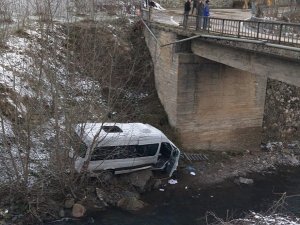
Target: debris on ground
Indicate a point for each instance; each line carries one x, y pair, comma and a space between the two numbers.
172, 181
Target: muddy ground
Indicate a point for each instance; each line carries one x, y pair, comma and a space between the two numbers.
226, 166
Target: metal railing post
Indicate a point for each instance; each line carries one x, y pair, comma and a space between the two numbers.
239, 28
208, 23
257, 34
223, 24
280, 33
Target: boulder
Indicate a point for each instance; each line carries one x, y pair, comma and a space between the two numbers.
78, 210
140, 179
243, 180
69, 203
61, 213
157, 184
131, 204
292, 160
101, 196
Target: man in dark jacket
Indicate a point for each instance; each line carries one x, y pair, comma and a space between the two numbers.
187, 9
200, 11
195, 6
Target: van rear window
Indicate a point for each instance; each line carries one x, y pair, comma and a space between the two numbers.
123, 152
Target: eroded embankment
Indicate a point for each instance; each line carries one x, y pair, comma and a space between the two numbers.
57, 75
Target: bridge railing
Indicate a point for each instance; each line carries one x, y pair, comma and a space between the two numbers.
275, 32
288, 33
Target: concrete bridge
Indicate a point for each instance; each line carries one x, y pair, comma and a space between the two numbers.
213, 87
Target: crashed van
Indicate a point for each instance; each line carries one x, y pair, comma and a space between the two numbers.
122, 148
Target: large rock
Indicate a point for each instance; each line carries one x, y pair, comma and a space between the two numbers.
101, 196
243, 180
292, 160
140, 179
78, 210
69, 203
131, 204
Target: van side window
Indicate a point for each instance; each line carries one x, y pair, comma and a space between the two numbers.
146, 150
113, 152
123, 152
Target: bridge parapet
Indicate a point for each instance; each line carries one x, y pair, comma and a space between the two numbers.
261, 47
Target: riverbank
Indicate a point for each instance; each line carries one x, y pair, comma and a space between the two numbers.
223, 166
190, 202
221, 171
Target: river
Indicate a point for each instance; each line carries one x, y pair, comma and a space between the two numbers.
189, 207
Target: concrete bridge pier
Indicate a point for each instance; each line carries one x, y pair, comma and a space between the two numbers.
212, 106
218, 107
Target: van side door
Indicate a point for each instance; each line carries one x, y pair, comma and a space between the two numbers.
173, 161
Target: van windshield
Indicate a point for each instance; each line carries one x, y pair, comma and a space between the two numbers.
166, 149
123, 152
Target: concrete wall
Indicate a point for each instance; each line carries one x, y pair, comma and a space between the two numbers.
165, 70
218, 107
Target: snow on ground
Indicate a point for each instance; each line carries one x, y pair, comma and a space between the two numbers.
274, 219
158, 7
8, 130
30, 64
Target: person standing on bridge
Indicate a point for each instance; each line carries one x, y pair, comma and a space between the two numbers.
187, 9
206, 14
195, 6
200, 10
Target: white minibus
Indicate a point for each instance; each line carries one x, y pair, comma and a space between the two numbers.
122, 148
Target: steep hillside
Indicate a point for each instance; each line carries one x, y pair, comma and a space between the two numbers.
56, 75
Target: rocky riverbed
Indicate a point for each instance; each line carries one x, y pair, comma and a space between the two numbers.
126, 191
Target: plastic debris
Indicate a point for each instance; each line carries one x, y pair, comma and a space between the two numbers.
161, 189
193, 173
172, 181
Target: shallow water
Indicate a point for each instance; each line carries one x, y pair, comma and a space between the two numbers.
189, 207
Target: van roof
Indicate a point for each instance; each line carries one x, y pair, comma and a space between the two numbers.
112, 134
